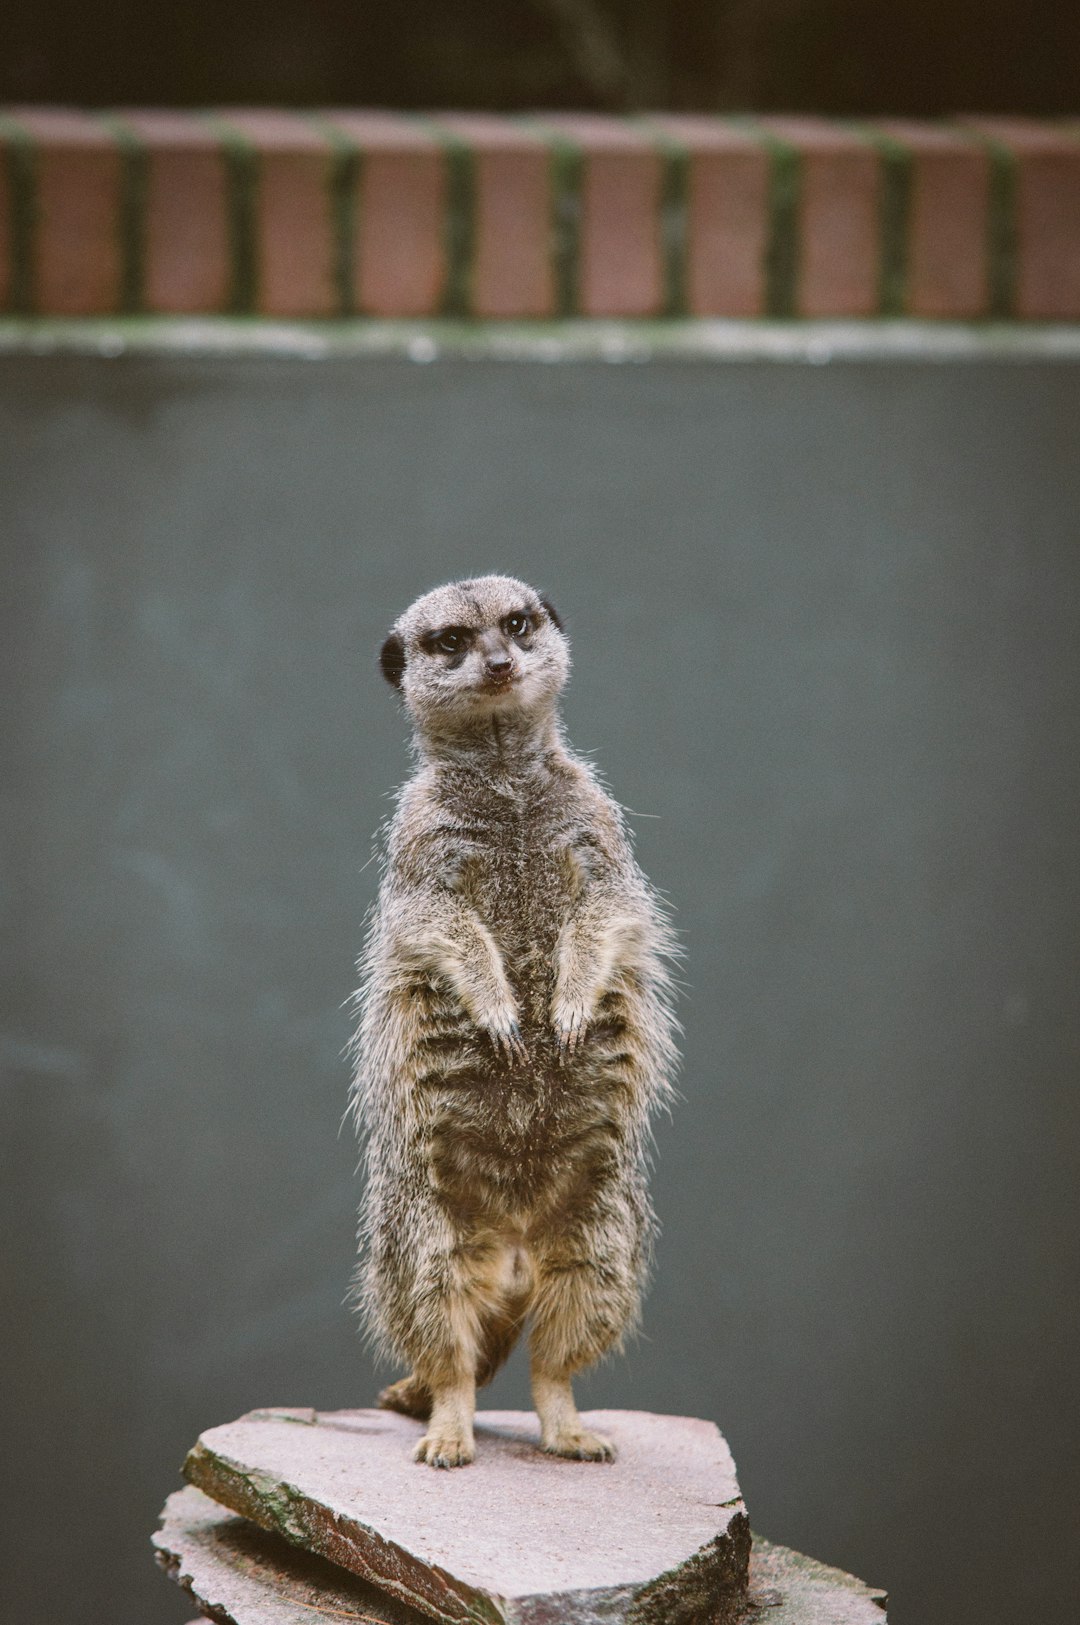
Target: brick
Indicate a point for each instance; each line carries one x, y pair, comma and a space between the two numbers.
727, 214
399, 263
295, 244
948, 225
77, 253
839, 245
1047, 205
631, 229
512, 274
185, 241
621, 266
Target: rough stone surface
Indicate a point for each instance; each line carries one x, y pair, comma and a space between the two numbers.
660, 1535
240, 1575
787, 1588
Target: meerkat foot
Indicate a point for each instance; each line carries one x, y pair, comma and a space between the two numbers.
446, 1447
561, 1429
448, 1441
409, 1397
579, 1444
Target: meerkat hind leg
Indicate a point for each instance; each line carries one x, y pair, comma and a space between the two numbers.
449, 1441
409, 1397
447, 1371
561, 1430
481, 1316
578, 1313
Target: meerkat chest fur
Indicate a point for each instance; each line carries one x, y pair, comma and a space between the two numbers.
509, 835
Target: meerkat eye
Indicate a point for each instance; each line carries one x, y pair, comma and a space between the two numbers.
451, 640
518, 626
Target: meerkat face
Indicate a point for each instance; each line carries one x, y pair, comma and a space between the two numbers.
475, 648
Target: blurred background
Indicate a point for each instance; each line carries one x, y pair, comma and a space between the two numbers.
824, 624
923, 57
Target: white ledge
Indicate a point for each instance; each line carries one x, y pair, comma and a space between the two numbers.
812, 342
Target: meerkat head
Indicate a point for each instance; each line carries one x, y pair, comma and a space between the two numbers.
476, 648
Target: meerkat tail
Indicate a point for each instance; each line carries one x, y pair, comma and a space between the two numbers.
497, 1339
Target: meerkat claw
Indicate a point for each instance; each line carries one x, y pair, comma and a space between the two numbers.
510, 1040
444, 1450
580, 1444
570, 1032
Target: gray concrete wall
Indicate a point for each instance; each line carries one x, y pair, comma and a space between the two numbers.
826, 649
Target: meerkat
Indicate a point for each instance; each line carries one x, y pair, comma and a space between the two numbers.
515, 1033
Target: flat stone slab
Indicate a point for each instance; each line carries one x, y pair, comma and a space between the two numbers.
241, 1575
787, 1588
657, 1537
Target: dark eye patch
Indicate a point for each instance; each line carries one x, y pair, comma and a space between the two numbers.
448, 640
518, 625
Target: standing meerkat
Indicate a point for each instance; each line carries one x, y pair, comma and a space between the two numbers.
515, 1033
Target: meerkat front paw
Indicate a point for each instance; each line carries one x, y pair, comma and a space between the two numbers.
502, 1024
446, 1447
570, 1018
579, 1444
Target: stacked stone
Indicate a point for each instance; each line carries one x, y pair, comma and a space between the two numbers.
344, 214
294, 1515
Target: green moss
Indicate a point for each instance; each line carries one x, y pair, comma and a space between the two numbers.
1002, 245
459, 225
22, 195
133, 176
343, 182
242, 202
782, 245
674, 220
894, 220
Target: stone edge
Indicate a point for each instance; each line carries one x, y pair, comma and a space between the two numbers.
720, 1567
280, 1508
772, 1567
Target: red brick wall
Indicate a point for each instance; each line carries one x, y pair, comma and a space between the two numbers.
383, 214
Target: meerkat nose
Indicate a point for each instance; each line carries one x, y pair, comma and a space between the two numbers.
499, 665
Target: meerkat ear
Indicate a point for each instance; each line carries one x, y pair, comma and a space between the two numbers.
552, 613
392, 659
